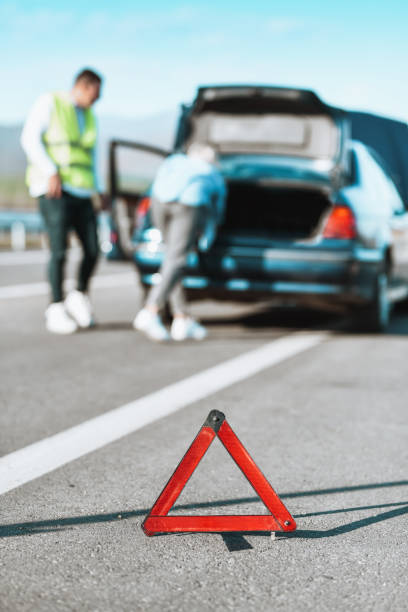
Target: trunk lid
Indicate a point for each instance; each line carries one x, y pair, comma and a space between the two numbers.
291, 125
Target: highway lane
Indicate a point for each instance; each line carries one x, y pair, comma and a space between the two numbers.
54, 382
29, 267
327, 426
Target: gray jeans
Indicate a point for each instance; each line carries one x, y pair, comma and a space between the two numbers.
180, 226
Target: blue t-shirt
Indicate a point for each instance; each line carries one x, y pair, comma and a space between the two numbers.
191, 181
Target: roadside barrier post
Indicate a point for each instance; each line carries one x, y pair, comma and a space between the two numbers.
18, 236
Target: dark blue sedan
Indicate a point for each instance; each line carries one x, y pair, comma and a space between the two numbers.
312, 216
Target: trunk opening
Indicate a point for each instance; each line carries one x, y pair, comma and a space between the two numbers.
273, 212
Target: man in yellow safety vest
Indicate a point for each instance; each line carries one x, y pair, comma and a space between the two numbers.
59, 138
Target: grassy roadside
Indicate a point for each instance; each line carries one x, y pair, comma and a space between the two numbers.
14, 194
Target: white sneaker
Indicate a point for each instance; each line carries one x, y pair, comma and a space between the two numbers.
58, 321
77, 305
151, 325
184, 328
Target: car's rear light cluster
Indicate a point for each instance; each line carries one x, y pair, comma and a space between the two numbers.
141, 210
340, 224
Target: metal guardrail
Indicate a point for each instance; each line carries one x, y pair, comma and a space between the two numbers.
32, 221
15, 225
17, 228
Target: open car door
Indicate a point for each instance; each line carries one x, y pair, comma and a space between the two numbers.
132, 168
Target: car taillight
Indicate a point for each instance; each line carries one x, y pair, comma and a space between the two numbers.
114, 237
340, 224
143, 207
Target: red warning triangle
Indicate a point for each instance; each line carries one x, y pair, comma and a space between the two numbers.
158, 521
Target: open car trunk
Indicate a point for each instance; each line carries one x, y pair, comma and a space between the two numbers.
260, 211
273, 121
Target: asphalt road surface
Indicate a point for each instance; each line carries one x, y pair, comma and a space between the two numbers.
93, 425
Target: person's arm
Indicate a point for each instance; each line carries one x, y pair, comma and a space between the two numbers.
99, 183
215, 214
31, 140
100, 198
220, 199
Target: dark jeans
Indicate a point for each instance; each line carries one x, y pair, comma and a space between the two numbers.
60, 216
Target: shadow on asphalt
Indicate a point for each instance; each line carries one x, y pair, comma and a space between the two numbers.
112, 326
234, 541
296, 319
289, 318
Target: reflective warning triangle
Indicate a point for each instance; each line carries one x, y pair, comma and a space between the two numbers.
158, 521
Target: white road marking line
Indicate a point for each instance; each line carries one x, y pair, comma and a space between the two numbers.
102, 281
35, 460
24, 258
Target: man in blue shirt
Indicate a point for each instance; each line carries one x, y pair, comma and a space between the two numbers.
188, 199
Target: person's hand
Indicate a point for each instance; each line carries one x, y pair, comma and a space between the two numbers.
101, 201
207, 238
54, 186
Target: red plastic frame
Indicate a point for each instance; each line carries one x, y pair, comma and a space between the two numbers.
158, 520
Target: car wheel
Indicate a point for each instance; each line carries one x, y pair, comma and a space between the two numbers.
376, 316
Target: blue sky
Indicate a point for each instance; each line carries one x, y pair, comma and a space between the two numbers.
154, 55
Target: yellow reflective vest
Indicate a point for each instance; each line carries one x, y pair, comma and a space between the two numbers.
70, 150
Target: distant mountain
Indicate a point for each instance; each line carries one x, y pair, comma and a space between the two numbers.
155, 129
12, 159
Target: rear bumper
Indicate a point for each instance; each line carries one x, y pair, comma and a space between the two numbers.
305, 274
